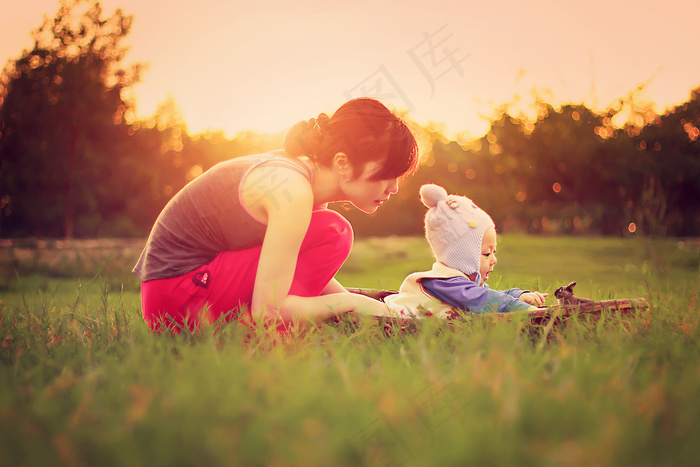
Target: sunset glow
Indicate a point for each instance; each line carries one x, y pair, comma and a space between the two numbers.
265, 65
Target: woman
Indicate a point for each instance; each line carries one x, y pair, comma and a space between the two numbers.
252, 237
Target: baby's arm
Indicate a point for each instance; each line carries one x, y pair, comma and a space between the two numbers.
533, 298
462, 293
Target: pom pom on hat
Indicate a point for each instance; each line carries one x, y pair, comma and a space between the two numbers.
454, 227
431, 195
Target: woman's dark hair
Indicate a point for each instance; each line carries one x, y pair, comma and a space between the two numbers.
365, 130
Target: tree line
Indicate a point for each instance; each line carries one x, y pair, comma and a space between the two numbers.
75, 162
570, 171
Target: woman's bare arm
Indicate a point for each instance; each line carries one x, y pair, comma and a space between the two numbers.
284, 200
303, 310
334, 287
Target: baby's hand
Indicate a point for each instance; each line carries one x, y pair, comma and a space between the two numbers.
533, 298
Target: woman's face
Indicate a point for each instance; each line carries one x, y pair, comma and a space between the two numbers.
367, 194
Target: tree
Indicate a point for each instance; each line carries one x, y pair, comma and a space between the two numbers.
61, 124
668, 154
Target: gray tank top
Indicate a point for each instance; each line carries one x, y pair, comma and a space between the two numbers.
206, 218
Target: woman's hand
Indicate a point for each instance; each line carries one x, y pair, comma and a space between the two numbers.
369, 307
309, 310
533, 298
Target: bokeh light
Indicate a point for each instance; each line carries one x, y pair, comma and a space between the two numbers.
194, 172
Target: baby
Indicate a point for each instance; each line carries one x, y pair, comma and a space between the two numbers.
463, 239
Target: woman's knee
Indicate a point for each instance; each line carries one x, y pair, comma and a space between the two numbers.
329, 227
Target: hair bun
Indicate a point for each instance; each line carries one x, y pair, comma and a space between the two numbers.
431, 195
305, 138
323, 121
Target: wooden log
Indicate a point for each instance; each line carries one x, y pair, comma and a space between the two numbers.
623, 307
377, 294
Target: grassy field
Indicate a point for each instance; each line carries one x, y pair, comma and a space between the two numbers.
83, 382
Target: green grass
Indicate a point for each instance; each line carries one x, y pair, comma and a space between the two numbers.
83, 382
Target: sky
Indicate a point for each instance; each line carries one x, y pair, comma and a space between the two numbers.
263, 65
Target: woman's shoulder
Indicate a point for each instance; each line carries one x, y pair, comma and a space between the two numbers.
248, 160
276, 167
276, 183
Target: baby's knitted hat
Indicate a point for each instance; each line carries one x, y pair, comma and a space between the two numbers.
454, 227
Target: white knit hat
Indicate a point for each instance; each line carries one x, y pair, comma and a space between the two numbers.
454, 227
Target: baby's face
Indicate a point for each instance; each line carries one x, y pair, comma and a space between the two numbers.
488, 254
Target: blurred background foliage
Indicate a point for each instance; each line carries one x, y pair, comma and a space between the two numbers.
76, 163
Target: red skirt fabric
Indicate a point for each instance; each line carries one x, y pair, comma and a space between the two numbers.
223, 289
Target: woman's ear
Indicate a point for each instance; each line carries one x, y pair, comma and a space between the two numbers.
342, 165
